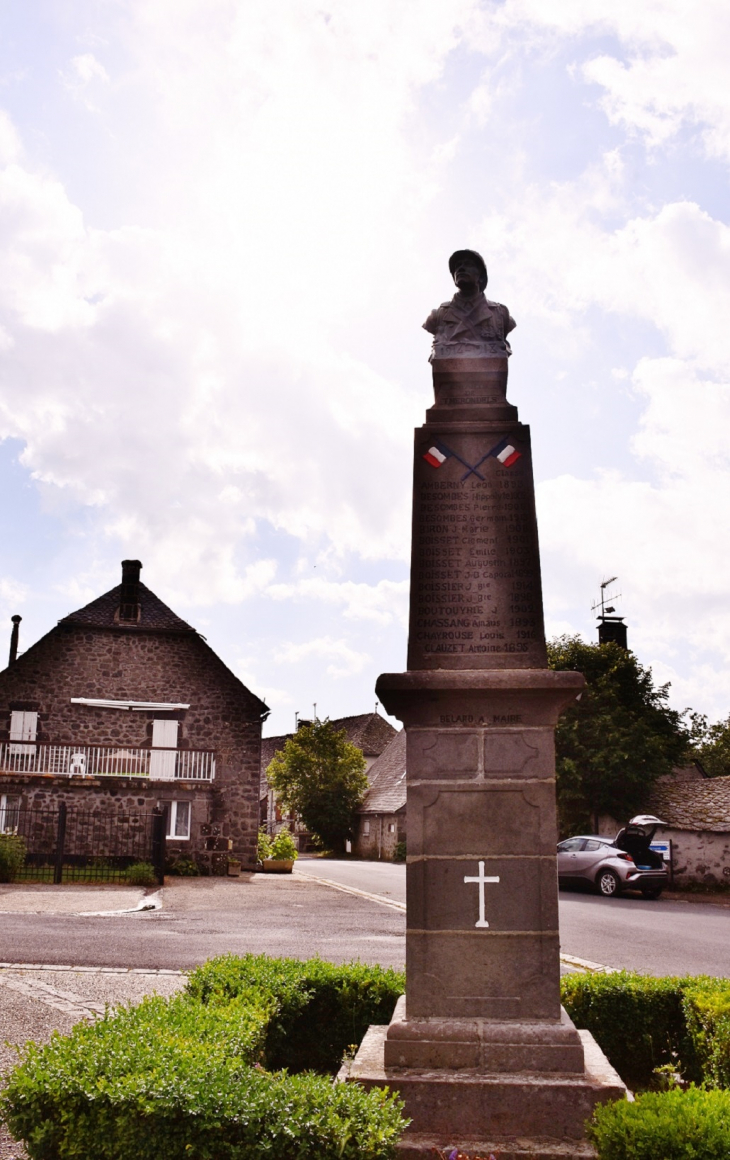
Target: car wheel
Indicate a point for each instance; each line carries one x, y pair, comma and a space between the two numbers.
648, 893
607, 883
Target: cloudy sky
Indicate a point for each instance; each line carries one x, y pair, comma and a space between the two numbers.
222, 223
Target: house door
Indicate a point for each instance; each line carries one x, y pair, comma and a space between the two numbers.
164, 738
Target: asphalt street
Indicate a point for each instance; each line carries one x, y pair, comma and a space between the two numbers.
665, 937
300, 915
202, 917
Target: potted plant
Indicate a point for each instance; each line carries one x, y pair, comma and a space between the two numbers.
278, 854
234, 867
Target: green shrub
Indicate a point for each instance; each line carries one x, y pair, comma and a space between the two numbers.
638, 1021
321, 1008
283, 847
13, 851
264, 846
183, 1078
673, 1125
706, 1004
141, 874
183, 868
399, 854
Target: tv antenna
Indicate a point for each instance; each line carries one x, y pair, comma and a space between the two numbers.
603, 603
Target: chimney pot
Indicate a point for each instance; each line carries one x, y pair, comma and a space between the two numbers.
14, 638
129, 597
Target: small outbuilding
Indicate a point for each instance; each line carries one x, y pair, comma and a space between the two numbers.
382, 815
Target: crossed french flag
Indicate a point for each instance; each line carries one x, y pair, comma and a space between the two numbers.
504, 451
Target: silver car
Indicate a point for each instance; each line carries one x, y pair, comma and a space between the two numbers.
613, 865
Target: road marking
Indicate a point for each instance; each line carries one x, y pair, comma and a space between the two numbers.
391, 902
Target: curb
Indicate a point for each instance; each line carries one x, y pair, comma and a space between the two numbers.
391, 902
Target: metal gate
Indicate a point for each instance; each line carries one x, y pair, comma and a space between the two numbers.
64, 845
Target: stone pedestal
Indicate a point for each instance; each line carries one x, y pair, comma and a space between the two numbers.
480, 1048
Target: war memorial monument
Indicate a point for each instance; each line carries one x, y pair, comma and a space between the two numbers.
479, 1047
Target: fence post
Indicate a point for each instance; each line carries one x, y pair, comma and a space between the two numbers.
60, 841
159, 842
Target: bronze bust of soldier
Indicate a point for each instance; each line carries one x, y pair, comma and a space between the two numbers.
469, 326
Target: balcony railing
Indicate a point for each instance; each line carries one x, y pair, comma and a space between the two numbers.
107, 761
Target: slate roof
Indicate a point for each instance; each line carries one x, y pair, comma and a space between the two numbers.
154, 615
692, 805
368, 731
387, 775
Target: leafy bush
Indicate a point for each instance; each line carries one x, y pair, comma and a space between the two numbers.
180, 1078
706, 1004
637, 1020
13, 851
399, 854
183, 868
264, 846
673, 1125
283, 847
141, 874
320, 1008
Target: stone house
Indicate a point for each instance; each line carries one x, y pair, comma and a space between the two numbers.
697, 812
370, 732
696, 809
382, 815
124, 706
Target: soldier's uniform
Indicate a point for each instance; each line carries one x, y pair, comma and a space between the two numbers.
470, 328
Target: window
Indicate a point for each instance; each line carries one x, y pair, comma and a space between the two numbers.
366, 829
23, 727
9, 812
571, 845
391, 827
178, 819
591, 845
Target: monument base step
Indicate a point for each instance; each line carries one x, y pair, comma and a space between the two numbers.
448, 1107
420, 1147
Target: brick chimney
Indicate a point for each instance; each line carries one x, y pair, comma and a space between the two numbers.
612, 630
129, 599
14, 638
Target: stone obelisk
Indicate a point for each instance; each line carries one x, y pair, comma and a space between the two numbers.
479, 1047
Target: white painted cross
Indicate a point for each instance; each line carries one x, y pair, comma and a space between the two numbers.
481, 880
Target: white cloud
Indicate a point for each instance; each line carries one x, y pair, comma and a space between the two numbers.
385, 602
346, 661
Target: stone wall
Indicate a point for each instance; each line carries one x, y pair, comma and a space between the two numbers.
133, 664
381, 840
699, 856
116, 796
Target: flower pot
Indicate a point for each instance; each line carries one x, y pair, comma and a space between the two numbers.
234, 869
278, 865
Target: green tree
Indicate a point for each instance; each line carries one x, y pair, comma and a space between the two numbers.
320, 775
712, 745
614, 742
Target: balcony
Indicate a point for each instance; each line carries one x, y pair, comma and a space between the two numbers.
107, 761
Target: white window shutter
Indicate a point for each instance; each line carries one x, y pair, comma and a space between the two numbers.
23, 725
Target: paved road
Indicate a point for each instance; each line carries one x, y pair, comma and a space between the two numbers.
300, 916
665, 937
382, 878
210, 916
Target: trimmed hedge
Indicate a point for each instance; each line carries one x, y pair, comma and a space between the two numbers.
188, 1079
643, 1023
674, 1125
638, 1021
321, 1009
